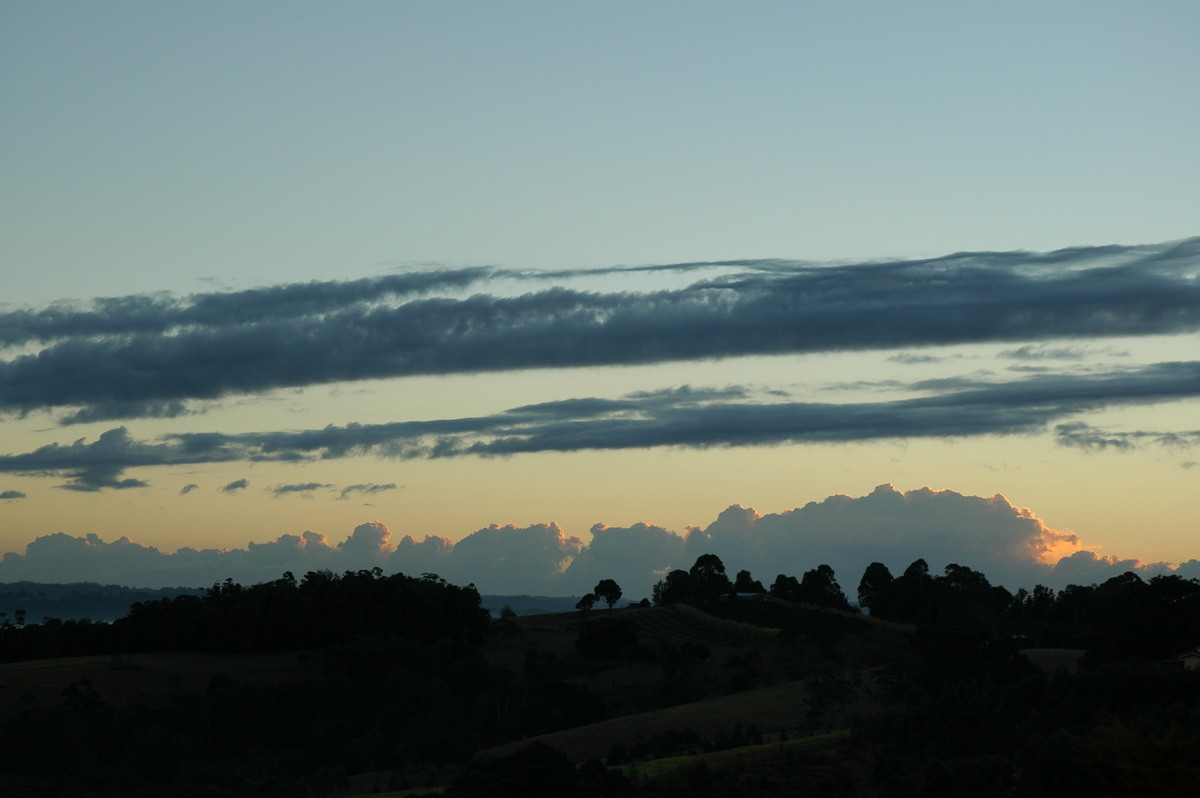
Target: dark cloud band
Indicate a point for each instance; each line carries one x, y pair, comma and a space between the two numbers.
147, 356
680, 417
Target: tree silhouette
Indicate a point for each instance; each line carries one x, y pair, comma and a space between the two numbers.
819, 587
609, 591
785, 587
745, 583
676, 587
911, 596
708, 577
874, 589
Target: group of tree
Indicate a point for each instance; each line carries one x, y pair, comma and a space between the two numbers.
1125, 617
286, 614
706, 581
606, 590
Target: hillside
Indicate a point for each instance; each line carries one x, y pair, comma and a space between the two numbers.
362, 683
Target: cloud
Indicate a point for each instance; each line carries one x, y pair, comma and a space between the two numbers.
92, 467
369, 543
104, 410
188, 488
635, 556
161, 313
1009, 544
8, 495
513, 560
1088, 567
908, 358
136, 356
235, 486
687, 417
1085, 436
429, 555
366, 489
63, 558
1039, 352
304, 489
98, 477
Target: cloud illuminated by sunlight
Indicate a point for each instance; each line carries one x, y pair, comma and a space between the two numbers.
1011, 545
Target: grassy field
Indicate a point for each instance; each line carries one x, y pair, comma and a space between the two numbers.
713, 660
679, 624
734, 757
769, 708
1050, 659
121, 679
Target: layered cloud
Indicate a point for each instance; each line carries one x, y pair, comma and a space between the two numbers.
688, 417
1011, 545
366, 489
147, 356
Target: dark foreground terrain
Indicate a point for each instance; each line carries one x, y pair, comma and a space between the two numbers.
362, 683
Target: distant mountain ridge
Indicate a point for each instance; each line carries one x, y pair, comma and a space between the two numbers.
79, 600
528, 605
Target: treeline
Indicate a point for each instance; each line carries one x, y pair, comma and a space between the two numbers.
706, 581
1125, 617
320, 610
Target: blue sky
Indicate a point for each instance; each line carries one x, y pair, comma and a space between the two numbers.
184, 156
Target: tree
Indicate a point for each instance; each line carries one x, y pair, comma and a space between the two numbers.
608, 590
744, 583
819, 587
708, 577
874, 589
676, 587
911, 597
968, 601
584, 604
785, 587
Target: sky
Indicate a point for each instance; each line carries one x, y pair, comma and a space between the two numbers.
532, 294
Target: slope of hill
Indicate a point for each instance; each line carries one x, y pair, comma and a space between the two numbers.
364, 683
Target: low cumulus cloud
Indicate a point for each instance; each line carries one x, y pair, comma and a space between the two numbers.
149, 356
686, 417
188, 488
1009, 544
9, 495
235, 486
